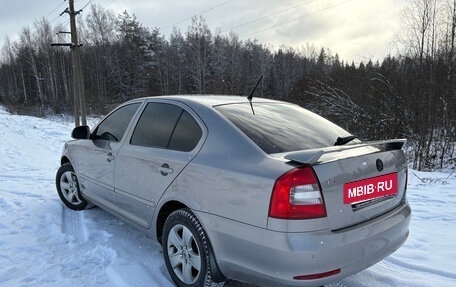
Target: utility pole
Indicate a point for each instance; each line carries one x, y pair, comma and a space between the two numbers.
78, 80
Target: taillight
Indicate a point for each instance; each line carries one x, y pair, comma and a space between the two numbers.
297, 195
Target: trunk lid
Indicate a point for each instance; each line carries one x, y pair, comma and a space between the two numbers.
359, 182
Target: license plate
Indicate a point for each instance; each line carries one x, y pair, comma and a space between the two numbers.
370, 188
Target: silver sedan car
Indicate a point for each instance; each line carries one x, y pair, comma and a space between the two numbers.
262, 191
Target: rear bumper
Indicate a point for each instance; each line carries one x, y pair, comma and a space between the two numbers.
268, 258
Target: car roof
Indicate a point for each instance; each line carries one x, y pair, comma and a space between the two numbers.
210, 100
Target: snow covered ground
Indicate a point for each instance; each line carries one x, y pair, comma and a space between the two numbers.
44, 244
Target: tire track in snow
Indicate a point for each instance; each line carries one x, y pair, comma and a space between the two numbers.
73, 224
396, 263
336, 284
92, 257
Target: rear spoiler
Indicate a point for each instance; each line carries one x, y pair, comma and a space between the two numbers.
312, 156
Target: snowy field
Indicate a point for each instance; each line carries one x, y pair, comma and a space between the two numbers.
44, 244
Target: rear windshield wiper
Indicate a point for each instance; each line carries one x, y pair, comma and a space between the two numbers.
344, 140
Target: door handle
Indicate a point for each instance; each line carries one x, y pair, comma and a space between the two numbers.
110, 157
165, 169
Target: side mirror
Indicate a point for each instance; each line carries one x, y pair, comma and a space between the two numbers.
81, 133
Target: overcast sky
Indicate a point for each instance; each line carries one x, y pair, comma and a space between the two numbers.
355, 29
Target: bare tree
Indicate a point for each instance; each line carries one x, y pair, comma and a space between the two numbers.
29, 47
101, 26
199, 53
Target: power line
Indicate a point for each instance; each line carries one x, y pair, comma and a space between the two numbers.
267, 16
88, 3
54, 19
53, 10
200, 13
66, 23
80, 10
295, 19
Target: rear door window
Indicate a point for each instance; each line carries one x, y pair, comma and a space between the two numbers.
278, 127
163, 125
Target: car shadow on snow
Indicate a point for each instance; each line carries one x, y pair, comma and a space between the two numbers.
232, 283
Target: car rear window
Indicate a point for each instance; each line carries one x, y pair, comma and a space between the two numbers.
282, 127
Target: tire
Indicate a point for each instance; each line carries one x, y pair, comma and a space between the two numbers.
185, 250
68, 188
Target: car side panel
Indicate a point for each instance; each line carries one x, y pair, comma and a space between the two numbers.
140, 182
95, 172
143, 174
230, 177
228, 193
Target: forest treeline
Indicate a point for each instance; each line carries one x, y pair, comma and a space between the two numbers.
410, 95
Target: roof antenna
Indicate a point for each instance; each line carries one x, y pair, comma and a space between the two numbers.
250, 97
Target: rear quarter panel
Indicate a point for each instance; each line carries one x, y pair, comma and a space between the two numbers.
230, 177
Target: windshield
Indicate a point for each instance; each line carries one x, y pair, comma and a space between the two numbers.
282, 127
